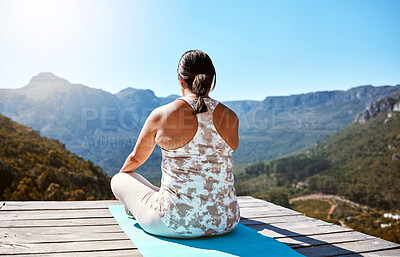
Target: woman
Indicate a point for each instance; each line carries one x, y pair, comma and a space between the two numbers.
197, 136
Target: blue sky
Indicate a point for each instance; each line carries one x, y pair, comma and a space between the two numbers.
259, 48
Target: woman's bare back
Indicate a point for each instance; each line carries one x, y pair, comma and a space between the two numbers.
176, 125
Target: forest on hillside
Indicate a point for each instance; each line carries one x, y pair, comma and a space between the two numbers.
38, 168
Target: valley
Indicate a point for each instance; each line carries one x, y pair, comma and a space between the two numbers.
350, 178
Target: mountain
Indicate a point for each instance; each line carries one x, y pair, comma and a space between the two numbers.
38, 168
142, 98
360, 162
103, 127
93, 123
280, 125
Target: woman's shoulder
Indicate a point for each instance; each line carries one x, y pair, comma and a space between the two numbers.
223, 110
166, 110
227, 124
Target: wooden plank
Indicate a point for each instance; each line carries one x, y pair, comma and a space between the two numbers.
247, 204
347, 248
113, 253
35, 248
55, 214
111, 221
266, 209
256, 215
263, 209
54, 205
15, 237
313, 240
248, 199
257, 204
278, 231
384, 253
57, 205
253, 213
244, 197
58, 223
67, 229
312, 225
273, 220
254, 202
99, 213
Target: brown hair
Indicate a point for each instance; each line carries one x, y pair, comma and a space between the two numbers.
197, 70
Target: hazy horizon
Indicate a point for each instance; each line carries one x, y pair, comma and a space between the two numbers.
211, 94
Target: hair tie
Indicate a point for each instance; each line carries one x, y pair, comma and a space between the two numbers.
200, 96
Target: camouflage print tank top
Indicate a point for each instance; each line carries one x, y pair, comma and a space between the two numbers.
197, 197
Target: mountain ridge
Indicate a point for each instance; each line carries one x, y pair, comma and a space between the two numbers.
103, 127
361, 162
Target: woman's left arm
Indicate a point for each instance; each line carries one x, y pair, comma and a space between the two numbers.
145, 143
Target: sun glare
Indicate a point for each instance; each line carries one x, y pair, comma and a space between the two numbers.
37, 21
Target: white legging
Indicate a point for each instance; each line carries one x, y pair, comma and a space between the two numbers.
137, 194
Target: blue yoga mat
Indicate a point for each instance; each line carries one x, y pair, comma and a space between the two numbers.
243, 241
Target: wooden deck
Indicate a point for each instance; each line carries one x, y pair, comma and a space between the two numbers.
86, 228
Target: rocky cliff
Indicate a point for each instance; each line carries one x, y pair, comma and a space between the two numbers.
386, 104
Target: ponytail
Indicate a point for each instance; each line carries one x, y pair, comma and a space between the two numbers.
199, 88
197, 70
